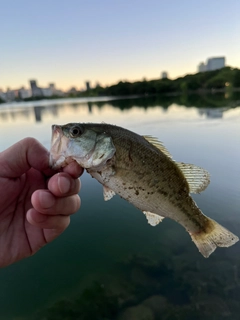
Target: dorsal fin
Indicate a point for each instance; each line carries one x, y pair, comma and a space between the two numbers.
198, 178
158, 144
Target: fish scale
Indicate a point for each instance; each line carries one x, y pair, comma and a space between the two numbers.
174, 188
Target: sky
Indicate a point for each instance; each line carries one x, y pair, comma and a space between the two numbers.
69, 42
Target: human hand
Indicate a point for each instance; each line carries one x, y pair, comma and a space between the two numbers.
35, 201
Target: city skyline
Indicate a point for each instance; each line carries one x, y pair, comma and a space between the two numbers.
211, 64
105, 42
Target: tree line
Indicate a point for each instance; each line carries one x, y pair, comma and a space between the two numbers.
225, 78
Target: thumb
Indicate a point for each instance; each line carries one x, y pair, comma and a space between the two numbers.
23, 155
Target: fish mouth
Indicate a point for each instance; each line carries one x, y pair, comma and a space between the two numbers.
91, 151
61, 151
58, 146
57, 134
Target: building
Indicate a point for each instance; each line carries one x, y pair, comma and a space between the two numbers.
212, 64
2, 95
24, 93
36, 91
59, 93
164, 75
88, 87
201, 67
47, 92
55, 91
11, 95
52, 86
72, 91
215, 63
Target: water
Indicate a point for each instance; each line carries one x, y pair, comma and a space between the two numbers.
110, 264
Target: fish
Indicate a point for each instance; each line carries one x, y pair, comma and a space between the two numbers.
142, 171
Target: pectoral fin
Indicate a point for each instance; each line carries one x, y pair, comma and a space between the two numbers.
153, 218
108, 193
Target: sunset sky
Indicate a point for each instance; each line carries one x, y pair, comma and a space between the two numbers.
69, 42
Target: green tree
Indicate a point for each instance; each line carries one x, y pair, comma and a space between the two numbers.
1, 100
236, 78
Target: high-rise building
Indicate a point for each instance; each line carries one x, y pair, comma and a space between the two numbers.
201, 67
212, 64
36, 91
164, 75
215, 63
88, 85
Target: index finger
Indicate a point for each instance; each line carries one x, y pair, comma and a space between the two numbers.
23, 155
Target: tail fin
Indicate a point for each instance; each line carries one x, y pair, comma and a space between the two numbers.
217, 236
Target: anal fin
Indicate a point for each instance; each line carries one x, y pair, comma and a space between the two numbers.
153, 218
108, 193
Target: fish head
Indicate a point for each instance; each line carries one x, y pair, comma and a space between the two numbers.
81, 143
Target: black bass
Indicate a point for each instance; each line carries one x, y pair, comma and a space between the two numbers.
142, 171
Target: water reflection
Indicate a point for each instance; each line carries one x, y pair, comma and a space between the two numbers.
38, 113
89, 107
110, 264
212, 113
210, 106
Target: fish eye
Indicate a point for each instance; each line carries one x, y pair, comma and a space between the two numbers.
75, 131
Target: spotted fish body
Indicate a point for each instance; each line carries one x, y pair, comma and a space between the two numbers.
142, 171
150, 180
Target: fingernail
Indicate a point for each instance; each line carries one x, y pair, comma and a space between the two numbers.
47, 200
64, 184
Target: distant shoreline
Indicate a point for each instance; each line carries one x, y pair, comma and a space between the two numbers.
84, 99
225, 80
